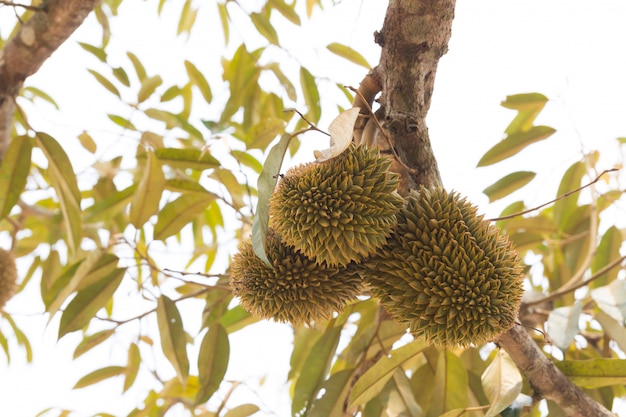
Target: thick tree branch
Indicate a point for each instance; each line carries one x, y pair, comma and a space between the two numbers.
50, 25
414, 37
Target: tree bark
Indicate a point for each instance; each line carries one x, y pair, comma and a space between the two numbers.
414, 37
50, 25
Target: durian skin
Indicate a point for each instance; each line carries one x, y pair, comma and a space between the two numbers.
340, 210
8, 276
296, 289
449, 275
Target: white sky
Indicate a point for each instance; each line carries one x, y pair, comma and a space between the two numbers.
571, 51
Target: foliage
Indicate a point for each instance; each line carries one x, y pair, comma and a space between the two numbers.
94, 244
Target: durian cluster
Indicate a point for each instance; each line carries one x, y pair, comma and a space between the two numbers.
8, 276
432, 261
325, 218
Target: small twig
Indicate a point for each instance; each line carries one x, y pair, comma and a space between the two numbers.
544, 334
23, 6
564, 291
561, 197
227, 396
311, 125
146, 313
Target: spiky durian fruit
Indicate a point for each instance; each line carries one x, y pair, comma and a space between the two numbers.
451, 276
8, 276
340, 210
296, 289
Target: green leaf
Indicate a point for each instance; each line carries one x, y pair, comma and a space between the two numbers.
262, 23
224, 18
336, 388
594, 373
187, 18
173, 338
88, 302
373, 381
245, 158
502, 383
110, 206
21, 338
450, 387
63, 180
14, 169
187, 158
148, 87
178, 213
562, 324
508, 184
99, 375
564, 207
236, 319
121, 121
99, 53
266, 184
36, 92
608, 251
288, 11
198, 79
121, 76
89, 342
212, 362
515, 143
148, 195
132, 369
264, 132
139, 69
283, 79
528, 107
314, 370
227, 179
87, 142
401, 398
311, 95
243, 410
105, 83
348, 53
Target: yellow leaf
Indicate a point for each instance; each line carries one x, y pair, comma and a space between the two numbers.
340, 135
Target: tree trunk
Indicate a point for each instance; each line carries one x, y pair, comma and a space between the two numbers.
414, 37
51, 24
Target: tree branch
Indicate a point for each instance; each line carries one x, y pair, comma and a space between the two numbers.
50, 25
414, 37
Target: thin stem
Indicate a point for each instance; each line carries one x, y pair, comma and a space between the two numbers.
563, 290
561, 197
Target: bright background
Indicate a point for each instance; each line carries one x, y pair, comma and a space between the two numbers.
571, 51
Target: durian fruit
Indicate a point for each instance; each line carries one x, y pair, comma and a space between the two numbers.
8, 276
449, 275
340, 210
296, 289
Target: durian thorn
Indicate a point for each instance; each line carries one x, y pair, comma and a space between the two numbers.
383, 132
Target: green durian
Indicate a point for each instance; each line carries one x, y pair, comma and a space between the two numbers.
295, 289
448, 274
8, 276
340, 210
